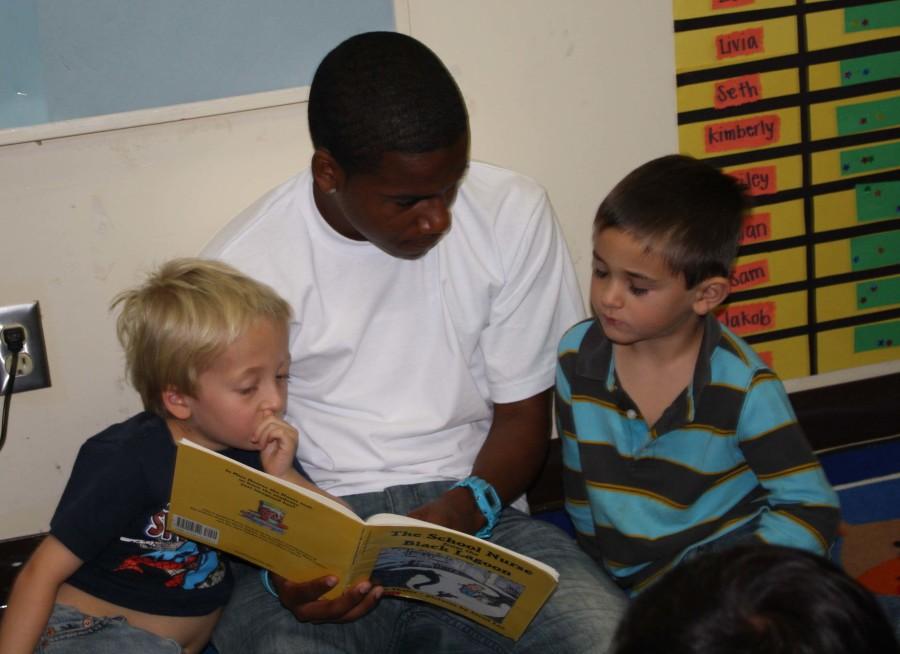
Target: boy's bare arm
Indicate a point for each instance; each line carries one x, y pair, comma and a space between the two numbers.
33, 595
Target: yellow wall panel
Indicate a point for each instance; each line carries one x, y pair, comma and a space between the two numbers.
765, 315
773, 221
697, 49
842, 300
832, 258
684, 9
703, 95
836, 350
825, 29
788, 357
826, 165
835, 210
698, 138
824, 76
780, 174
833, 302
823, 116
839, 210
748, 44
768, 269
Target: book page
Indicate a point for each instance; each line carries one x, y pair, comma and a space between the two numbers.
480, 580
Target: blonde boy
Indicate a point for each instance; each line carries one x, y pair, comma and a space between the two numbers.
676, 437
207, 349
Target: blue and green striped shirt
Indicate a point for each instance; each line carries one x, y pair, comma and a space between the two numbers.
726, 452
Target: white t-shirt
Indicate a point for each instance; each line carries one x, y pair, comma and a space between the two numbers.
396, 363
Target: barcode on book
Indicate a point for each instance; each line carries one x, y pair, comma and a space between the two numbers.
207, 533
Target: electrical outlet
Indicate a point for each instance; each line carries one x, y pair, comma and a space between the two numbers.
32, 371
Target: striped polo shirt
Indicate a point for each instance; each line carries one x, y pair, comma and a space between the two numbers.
727, 452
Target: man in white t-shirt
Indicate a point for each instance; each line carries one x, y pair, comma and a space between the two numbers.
423, 350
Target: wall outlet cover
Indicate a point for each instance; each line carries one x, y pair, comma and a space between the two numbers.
33, 370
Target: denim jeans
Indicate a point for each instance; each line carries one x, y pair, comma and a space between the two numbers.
69, 631
581, 616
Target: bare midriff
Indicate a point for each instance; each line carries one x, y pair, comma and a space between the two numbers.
191, 632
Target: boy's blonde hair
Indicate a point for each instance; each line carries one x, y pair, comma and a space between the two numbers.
182, 317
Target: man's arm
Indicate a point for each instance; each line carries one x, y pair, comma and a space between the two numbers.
510, 459
538, 302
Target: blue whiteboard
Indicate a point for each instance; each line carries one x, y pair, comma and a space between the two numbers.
61, 60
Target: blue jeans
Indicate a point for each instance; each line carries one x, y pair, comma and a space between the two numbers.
69, 631
581, 616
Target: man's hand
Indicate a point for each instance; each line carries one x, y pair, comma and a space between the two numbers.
302, 599
455, 509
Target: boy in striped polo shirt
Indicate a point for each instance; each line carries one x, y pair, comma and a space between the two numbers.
676, 436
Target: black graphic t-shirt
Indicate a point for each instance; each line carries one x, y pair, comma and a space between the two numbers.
112, 516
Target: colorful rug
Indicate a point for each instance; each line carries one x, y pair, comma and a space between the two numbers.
867, 479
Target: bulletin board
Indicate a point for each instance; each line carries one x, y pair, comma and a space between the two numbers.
64, 62
800, 100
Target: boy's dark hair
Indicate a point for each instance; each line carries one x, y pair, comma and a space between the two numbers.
687, 210
383, 92
755, 599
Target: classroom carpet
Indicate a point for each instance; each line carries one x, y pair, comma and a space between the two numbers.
867, 480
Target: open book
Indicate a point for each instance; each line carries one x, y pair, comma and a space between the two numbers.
300, 535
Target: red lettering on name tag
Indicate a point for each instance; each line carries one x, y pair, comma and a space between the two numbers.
757, 227
728, 4
754, 132
760, 180
740, 43
748, 318
737, 91
749, 275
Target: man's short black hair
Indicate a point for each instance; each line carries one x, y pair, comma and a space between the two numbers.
381, 92
689, 211
755, 599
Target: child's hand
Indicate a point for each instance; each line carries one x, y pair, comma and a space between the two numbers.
277, 442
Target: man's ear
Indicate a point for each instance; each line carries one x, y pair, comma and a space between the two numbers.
710, 293
176, 403
327, 173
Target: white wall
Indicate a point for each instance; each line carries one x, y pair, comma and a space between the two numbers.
573, 93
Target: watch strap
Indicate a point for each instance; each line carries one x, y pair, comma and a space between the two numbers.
487, 501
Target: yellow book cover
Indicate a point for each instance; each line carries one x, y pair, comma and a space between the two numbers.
299, 534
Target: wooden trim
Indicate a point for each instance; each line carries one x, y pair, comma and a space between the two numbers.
849, 413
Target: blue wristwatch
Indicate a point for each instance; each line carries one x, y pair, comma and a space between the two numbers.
486, 499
